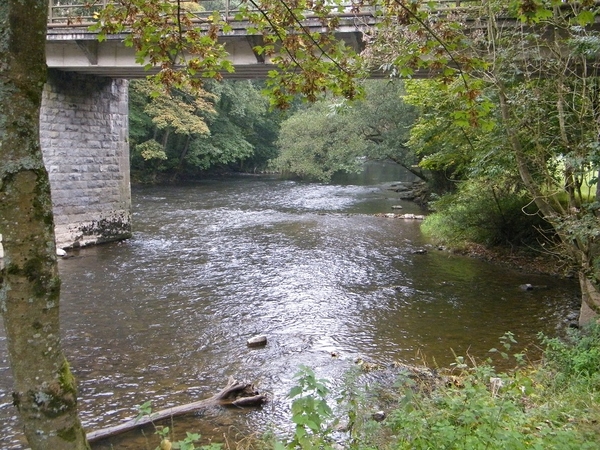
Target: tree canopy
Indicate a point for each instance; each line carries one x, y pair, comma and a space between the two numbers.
222, 125
334, 134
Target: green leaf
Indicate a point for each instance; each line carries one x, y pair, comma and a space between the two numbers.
295, 391
585, 18
313, 426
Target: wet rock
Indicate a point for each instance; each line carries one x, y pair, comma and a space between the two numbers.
402, 216
342, 427
416, 191
526, 287
572, 319
378, 416
419, 251
367, 366
407, 195
401, 187
412, 216
573, 315
257, 341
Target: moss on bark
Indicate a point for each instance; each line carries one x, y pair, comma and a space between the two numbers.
44, 388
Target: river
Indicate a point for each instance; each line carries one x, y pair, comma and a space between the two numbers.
165, 315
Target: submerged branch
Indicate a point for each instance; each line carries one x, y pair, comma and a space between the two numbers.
234, 394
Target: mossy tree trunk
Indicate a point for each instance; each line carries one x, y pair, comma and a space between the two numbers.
44, 389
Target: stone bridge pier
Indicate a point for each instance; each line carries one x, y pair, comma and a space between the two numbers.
84, 132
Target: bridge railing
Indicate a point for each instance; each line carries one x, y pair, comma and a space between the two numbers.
80, 13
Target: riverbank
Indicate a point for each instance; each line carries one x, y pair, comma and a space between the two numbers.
523, 260
551, 404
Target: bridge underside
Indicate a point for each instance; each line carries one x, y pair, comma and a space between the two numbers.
82, 53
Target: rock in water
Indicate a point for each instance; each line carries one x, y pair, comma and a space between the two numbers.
378, 416
257, 341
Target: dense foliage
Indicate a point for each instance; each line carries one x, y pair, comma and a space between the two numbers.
334, 135
487, 213
223, 126
516, 107
182, 40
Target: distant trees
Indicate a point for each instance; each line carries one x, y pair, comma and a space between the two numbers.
222, 125
334, 135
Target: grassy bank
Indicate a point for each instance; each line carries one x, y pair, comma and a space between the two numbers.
553, 404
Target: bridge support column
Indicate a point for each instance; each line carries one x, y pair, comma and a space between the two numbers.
84, 136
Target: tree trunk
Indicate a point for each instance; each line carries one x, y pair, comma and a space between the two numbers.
44, 389
590, 300
186, 147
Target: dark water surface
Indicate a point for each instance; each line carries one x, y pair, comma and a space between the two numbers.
165, 316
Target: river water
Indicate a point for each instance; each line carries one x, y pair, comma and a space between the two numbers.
165, 316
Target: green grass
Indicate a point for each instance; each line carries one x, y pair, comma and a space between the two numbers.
554, 404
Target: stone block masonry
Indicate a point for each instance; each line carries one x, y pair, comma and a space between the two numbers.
84, 132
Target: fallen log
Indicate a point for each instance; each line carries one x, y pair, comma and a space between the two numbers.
234, 394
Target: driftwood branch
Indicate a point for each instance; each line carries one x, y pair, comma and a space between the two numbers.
234, 394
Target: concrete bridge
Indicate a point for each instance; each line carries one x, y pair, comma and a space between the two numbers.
84, 118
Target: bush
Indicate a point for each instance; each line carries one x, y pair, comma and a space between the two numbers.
484, 214
576, 359
554, 405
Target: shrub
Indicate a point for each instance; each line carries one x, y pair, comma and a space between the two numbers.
576, 358
484, 214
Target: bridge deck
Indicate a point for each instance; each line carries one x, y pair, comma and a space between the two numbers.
71, 46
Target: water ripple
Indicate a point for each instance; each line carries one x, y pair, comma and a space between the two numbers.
165, 316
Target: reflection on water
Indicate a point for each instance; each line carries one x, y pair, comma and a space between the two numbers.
165, 315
